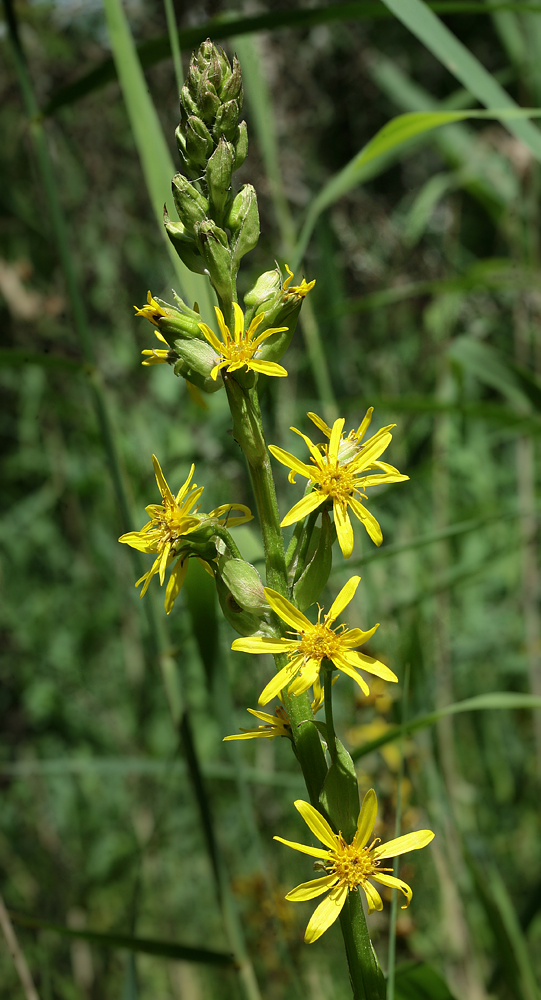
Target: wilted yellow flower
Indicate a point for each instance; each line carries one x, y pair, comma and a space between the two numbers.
349, 866
240, 349
153, 311
314, 644
275, 725
171, 524
300, 290
338, 474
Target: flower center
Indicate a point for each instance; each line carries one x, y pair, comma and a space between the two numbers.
337, 482
353, 865
173, 524
239, 352
321, 643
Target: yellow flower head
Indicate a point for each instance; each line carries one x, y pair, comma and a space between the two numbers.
275, 725
349, 866
152, 311
300, 290
338, 475
240, 349
314, 644
171, 523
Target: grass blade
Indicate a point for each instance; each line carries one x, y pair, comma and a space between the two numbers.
149, 946
480, 703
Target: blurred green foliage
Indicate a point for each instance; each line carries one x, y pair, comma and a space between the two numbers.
429, 307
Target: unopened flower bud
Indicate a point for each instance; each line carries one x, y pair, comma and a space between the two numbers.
219, 171
227, 122
196, 360
191, 206
243, 221
317, 567
241, 596
185, 245
241, 146
231, 88
199, 144
214, 248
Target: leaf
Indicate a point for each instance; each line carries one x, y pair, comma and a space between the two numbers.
481, 702
156, 162
150, 946
340, 793
383, 148
419, 981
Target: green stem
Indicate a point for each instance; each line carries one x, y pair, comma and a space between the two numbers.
308, 531
391, 961
331, 735
366, 977
226, 537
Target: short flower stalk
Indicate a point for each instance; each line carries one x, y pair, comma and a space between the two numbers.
285, 616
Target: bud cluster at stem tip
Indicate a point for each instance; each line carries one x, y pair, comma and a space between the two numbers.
216, 227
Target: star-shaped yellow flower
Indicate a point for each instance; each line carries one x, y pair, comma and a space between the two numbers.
153, 311
349, 866
314, 644
171, 524
239, 350
275, 725
300, 290
338, 474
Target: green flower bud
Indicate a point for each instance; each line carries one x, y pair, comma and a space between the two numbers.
243, 221
208, 102
241, 146
199, 144
188, 104
231, 88
317, 567
281, 305
227, 122
196, 359
185, 245
214, 248
241, 596
264, 295
191, 206
219, 171
175, 322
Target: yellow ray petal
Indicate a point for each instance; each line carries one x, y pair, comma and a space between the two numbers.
336, 434
367, 519
343, 529
360, 661
287, 611
224, 329
410, 842
367, 818
315, 453
262, 644
373, 897
365, 423
174, 585
138, 541
239, 323
264, 716
326, 913
308, 676
343, 665
314, 852
373, 449
267, 368
320, 424
394, 883
161, 480
317, 823
211, 337
344, 597
290, 461
304, 507
356, 636
309, 890
278, 683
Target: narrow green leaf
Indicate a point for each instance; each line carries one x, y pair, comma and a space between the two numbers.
340, 793
150, 946
481, 702
156, 162
383, 148
454, 55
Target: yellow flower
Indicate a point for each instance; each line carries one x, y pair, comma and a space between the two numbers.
240, 349
275, 725
171, 524
300, 290
314, 644
152, 311
349, 866
337, 474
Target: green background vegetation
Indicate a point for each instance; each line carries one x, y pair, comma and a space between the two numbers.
427, 305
